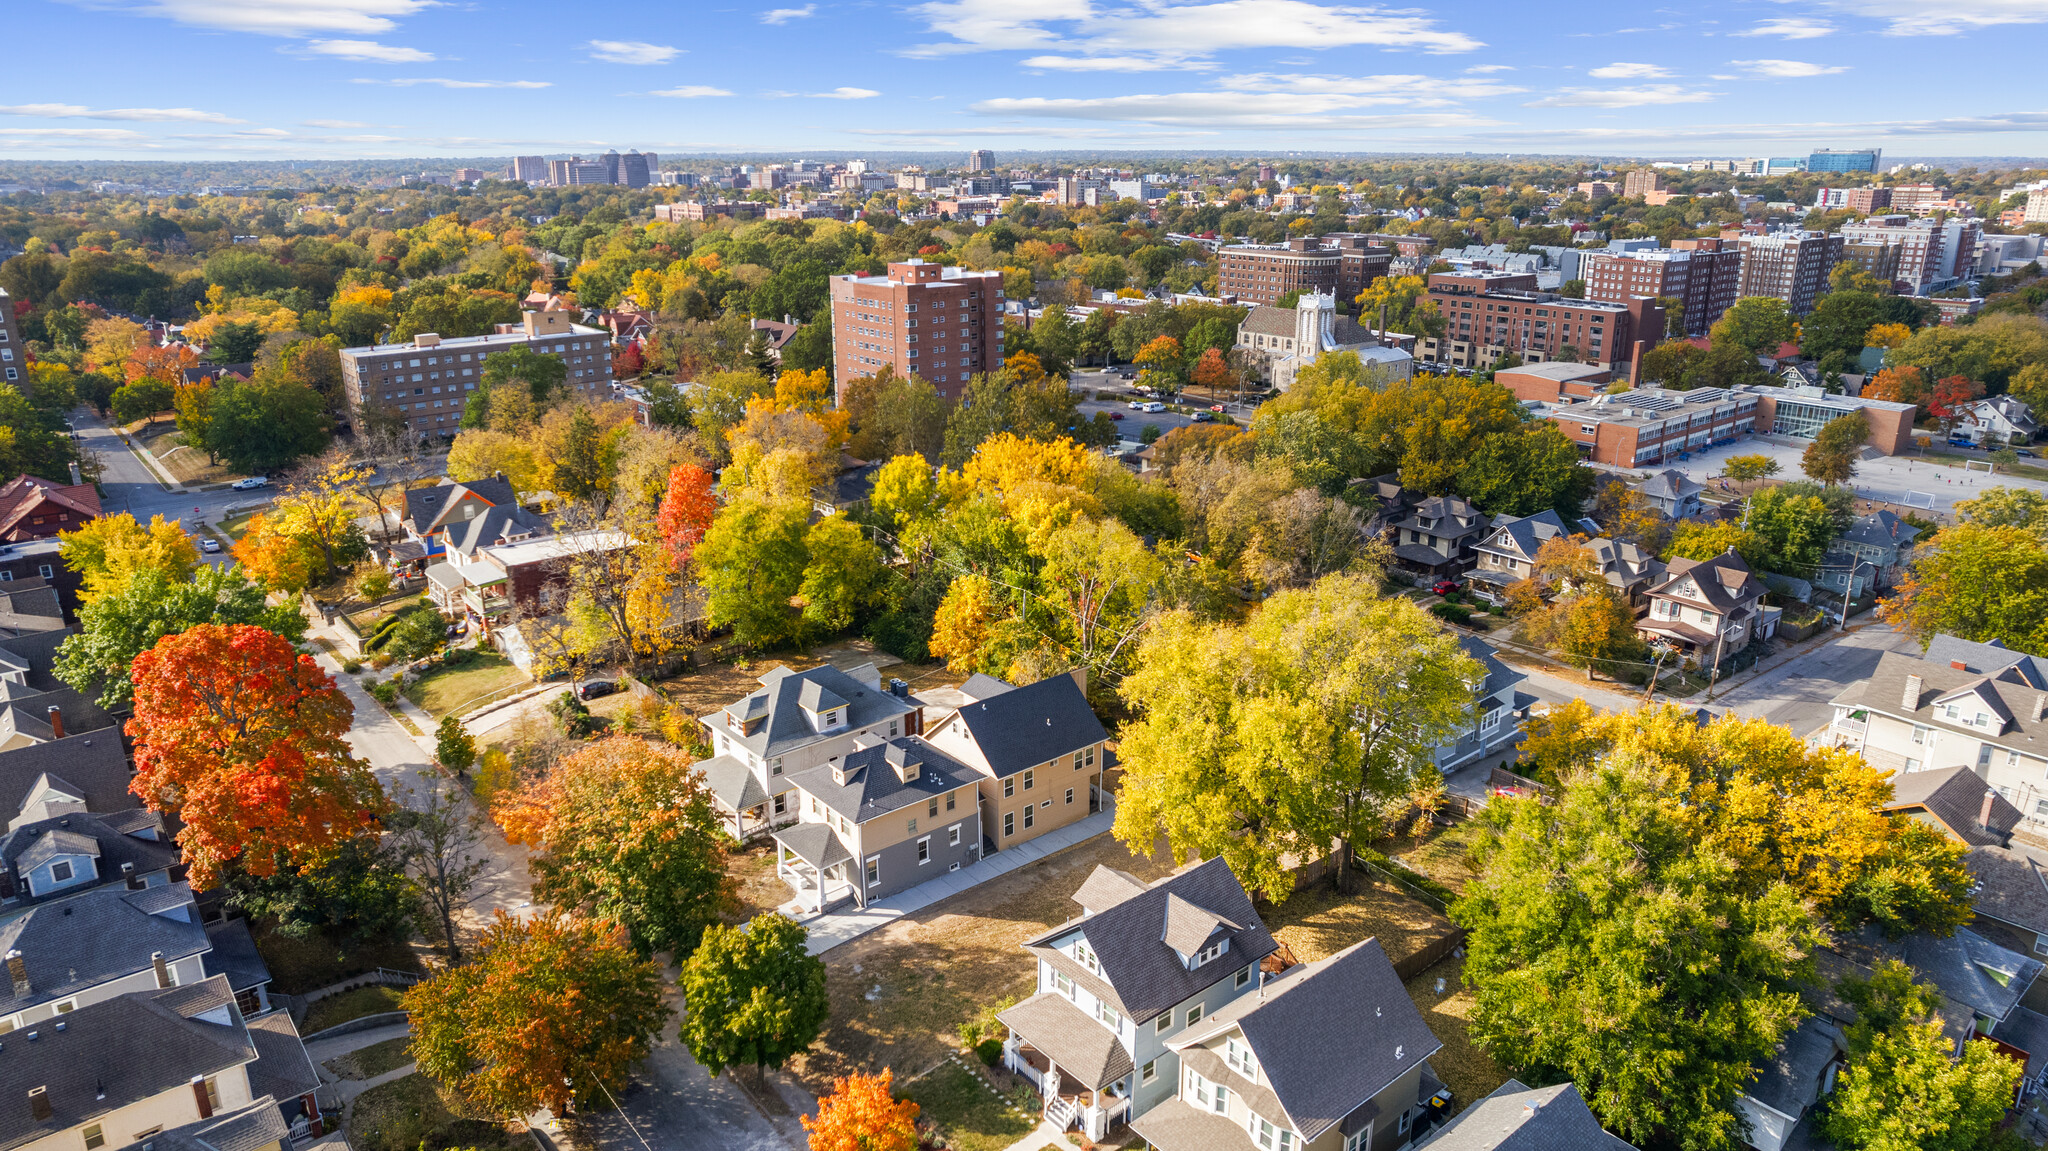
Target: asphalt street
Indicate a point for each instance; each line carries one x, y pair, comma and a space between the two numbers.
1796, 694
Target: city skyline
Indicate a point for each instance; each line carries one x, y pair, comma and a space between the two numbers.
329, 79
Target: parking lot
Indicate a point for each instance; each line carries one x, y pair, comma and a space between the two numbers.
1130, 422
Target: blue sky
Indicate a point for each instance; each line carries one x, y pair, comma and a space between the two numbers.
351, 78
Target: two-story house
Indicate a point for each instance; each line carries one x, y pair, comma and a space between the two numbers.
1518, 1118
876, 821
69, 953
452, 520
1325, 1056
797, 721
129, 1068
1674, 496
1708, 609
1962, 704
1494, 707
1144, 965
58, 848
1871, 555
1508, 554
1040, 751
1437, 537
33, 508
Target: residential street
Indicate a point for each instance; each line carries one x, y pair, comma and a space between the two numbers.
1796, 693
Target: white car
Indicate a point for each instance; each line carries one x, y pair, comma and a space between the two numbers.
1136, 405
251, 482
1154, 406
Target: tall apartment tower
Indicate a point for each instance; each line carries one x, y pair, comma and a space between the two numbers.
1935, 251
1844, 160
1704, 275
981, 160
636, 169
1642, 182
1793, 266
530, 169
942, 324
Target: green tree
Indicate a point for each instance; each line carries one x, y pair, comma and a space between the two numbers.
266, 425
751, 563
454, 747
1906, 1091
352, 895
1572, 289
542, 376
1694, 540
234, 343
844, 575
2007, 507
141, 399
810, 349
115, 628
1837, 325
1794, 528
1744, 469
1756, 324
438, 837
1979, 583
1605, 906
1831, 458
753, 995
1298, 732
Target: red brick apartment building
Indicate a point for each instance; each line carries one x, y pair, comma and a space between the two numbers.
1488, 314
1341, 262
1792, 266
1704, 275
1649, 426
941, 323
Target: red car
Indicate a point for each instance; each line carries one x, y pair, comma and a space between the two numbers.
1116, 415
1444, 586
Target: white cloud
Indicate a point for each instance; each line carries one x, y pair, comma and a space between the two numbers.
369, 50
632, 52
81, 112
1484, 69
785, 15
1636, 97
95, 135
334, 123
1624, 71
1788, 69
1110, 64
1175, 33
1914, 18
1317, 112
415, 81
844, 94
286, 17
691, 92
1797, 28
1421, 91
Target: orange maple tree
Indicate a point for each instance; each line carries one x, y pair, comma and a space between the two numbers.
860, 1115
283, 563
166, 363
554, 1009
240, 736
1213, 372
687, 509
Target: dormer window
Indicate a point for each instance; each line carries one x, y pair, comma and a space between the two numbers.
1238, 1056
1085, 956
1210, 952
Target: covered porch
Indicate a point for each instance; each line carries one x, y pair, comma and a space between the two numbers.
737, 794
810, 858
1081, 1071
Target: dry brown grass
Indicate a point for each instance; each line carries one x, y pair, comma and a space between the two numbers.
760, 889
1470, 1073
1438, 852
1317, 922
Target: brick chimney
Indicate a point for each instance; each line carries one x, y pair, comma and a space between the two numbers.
1958, 665
17, 970
199, 1096
1911, 699
56, 719
39, 1104
1984, 809
2040, 706
163, 970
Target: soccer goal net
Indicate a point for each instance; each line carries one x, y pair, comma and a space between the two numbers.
1920, 500
1973, 465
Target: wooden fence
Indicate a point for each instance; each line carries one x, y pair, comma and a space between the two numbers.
1410, 966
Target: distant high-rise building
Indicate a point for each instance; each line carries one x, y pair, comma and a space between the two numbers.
856, 166
614, 167
1265, 172
1844, 160
1779, 165
468, 175
981, 160
1934, 252
1642, 182
636, 169
2037, 207
1792, 266
530, 169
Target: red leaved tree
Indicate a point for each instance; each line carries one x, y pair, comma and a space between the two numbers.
1951, 399
686, 511
1213, 372
860, 1115
240, 736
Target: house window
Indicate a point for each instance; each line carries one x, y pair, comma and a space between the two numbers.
953, 836
1149, 1072
1194, 1015
1110, 1016
213, 1092
949, 800
61, 870
1029, 812
1070, 795
95, 1136
1207, 953
1920, 731
1089, 751
1063, 983
924, 850
874, 870
912, 829
1009, 787
1358, 1141
1160, 1025
892, 729
781, 803
1238, 1057
1029, 783
1401, 1124
67, 1007
1009, 824
776, 767
931, 810
1912, 765
1272, 1138
1085, 956
1244, 976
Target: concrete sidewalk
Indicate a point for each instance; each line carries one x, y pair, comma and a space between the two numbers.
834, 928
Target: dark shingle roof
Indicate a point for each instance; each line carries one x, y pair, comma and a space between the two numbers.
1955, 796
1524, 535
234, 955
733, 783
814, 843
282, 1067
1724, 582
92, 762
81, 833
1352, 1002
424, 507
1986, 658
874, 789
2012, 884
1789, 1080
251, 1128
106, 933
1961, 966
780, 700
1031, 725
1517, 1118
1144, 975
1177, 1125
2028, 1031
1669, 484
110, 1055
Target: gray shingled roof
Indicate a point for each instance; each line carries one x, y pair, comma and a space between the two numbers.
1789, 1080
1986, 658
103, 934
732, 783
495, 525
92, 763
1961, 967
250, 1128
814, 843
1880, 529
1669, 484
1144, 975
1107, 887
82, 833
1955, 796
110, 1055
1189, 927
424, 507
1524, 535
1031, 725
1177, 1125
874, 789
282, 1067
2028, 1031
2012, 884
234, 955
1519, 1118
1353, 1003
1885, 691
780, 700
1724, 582
1084, 1049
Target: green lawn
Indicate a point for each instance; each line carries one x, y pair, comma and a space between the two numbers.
410, 1114
971, 1117
374, 1060
366, 619
454, 689
237, 525
339, 1009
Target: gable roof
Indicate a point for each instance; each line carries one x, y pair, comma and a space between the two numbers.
2012, 885
92, 764
1789, 1079
115, 1053
1955, 797
29, 845
29, 606
780, 700
1669, 484
1524, 535
1030, 725
427, 508
1986, 658
874, 789
25, 496
1725, 583
2022, 706
1880, 529
1144, 976
78, 943
250, 1128
1353, 1003
1518, 1118
494, 525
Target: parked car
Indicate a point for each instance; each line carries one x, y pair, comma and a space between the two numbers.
1152, 406
2025, 454
209, 545
1136, 405
1200, 417
1116, 415
1444, 586
1959, 442
1127, 375
251, 483
595, 688
1217, 408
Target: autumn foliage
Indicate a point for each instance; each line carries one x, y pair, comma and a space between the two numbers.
240, 736
861, 1115
687, 509
552, 1009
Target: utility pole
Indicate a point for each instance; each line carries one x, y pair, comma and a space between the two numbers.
1720, 640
